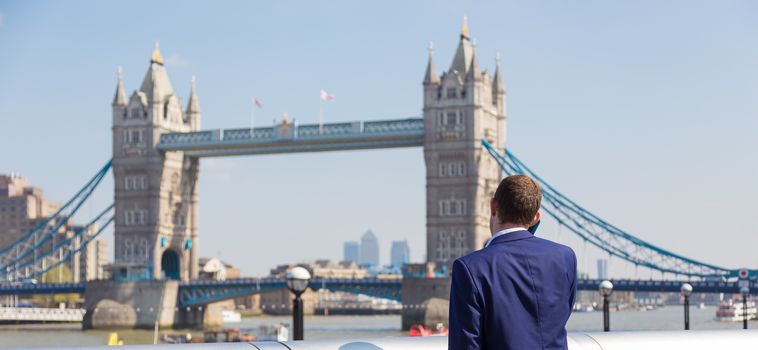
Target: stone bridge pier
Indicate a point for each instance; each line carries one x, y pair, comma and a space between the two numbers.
139, 304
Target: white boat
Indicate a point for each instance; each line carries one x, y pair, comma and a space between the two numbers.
275, 332
231, 316
731, 311
583, 308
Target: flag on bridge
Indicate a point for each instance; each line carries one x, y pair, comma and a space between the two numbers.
257, 102
326, 96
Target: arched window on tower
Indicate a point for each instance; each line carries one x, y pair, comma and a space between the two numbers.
451, 92
135, 112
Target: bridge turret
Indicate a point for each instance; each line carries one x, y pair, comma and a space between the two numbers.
464, 53
192, 112
155, 192
477, 86
498, 88
461, 177
474, 73
119, 98
431, 79
156, 85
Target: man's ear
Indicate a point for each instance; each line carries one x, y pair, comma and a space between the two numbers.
493, 207
537, 218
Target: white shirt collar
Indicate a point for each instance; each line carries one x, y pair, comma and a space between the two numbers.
503, 232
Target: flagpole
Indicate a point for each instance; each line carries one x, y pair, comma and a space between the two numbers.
252, 121
321, 117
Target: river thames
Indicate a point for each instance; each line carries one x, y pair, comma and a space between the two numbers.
320, 327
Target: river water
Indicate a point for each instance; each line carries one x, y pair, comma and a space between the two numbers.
319, 327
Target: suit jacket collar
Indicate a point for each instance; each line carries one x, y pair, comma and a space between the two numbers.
513, 236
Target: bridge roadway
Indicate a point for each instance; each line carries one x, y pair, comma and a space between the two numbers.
294, 138
200, 292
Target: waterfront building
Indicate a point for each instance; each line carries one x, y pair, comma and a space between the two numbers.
23, 207
425, 270
351, 251
399, 254
602, 269
324, 269
369, 252
94, 258
341, 303
279, 302
216, 269
251, 302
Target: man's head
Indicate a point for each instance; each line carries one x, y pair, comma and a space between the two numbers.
516, 203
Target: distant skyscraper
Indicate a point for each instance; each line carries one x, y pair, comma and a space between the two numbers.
369, 250
351, 251
602, 269
400, 254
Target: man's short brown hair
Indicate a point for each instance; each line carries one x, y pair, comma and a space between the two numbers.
518, 199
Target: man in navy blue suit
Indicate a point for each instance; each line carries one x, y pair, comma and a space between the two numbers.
518, 292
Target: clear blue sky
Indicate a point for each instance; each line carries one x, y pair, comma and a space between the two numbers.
645, 112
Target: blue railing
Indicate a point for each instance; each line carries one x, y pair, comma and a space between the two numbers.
18, 288
199, 292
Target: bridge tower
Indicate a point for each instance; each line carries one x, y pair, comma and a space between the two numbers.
461, 107
155, 192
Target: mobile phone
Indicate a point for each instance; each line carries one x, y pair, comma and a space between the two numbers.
533, 228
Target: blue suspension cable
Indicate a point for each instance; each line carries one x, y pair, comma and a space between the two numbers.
618, 243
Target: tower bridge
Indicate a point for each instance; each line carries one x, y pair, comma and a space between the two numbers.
293, 138
157, 144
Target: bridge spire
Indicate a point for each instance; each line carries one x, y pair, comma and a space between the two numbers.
464, 53
119, 99
464, 28
156, 57
193, 107
474, 73
431, 70
497, 82
156, 84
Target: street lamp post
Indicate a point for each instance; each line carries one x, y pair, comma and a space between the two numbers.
686, 291
745, 291
297, 282
606, 288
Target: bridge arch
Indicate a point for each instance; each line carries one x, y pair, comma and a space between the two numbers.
170, 265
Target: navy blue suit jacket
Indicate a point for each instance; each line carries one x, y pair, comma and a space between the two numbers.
515, 294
